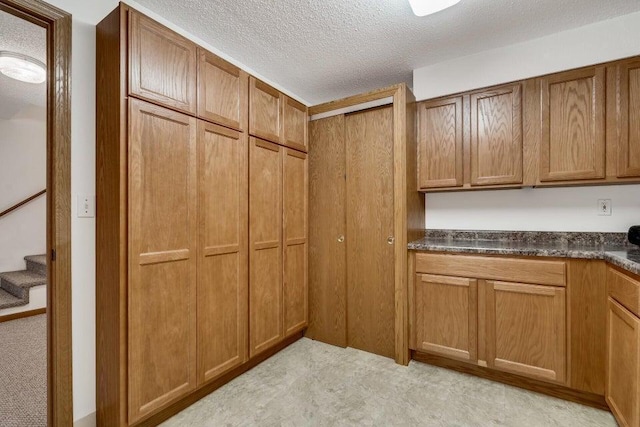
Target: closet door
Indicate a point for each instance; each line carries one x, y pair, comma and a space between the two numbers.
370, 225
327, 229
265, 237
223, 253
162, 257
295, 241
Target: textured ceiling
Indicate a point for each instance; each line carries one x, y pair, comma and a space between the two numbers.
323, 50
18, 35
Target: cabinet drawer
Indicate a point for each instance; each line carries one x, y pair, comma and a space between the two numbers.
624, 289
483, 267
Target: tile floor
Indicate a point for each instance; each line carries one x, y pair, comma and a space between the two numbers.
315, 384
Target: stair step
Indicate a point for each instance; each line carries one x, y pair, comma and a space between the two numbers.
7, 300
37, 263
18, 283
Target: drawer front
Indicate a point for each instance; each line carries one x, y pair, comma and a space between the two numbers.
624, 289
541, 272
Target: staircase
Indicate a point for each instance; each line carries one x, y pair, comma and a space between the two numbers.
15, 285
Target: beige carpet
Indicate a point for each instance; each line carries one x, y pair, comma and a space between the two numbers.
23, 372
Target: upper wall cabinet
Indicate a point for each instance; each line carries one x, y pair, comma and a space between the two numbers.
573, 125
265, 111
222, 91
162, 64
496, 136
624, 118
295, 124
440, 143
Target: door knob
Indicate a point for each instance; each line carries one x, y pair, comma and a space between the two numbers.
390, 240
340, 239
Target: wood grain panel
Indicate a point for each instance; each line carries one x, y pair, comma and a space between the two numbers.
440, 143
624, 289
627, 114
265, 111
526, 330
496, 268
327, 226
573, 125
623, 364
294, 124
447, 316
162, 218
587, 317
162, 64
223, 250
222, 91
295, 241
266, 309
370, 225
496, 136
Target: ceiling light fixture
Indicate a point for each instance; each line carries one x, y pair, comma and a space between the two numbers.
428, 7
22, 67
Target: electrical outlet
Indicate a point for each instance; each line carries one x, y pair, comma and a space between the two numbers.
86, 207
604, 207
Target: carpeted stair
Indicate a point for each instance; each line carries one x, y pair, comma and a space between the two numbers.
15, 285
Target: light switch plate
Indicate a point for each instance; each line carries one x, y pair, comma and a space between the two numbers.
604, 207
86, 207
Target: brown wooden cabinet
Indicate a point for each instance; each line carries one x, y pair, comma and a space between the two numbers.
222, 91
294, 124
447, 321
526, 330
440, 148
162, 262
623, 128
496, 136
265, 111
162, 64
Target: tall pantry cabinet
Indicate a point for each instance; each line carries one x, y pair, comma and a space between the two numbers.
201, 221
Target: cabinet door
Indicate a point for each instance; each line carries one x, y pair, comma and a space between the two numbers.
496, 136
162, 64
440, 143
627, 118
447, 316
223, 253
623, 364
265, 111
526, 330
573, 126
265, 237
222, 91
162, 257
295, 124
295, 241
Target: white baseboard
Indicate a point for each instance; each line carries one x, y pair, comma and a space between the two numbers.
88, 421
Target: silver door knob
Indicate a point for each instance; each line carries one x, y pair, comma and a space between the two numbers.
340, 239
390, 240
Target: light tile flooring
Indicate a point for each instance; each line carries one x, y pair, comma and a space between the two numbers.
315, 384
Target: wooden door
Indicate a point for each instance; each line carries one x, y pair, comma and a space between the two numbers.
496, 136
295, 124
440, 143
526, 330
573, 125
626, 116
162, 64
370, 228
623, 364
327, 229
222, 91
162, 257
265, 238
222, 250
265, 111
447, 316
295, 241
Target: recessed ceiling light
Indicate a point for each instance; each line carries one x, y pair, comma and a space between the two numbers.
22, 67
427, 7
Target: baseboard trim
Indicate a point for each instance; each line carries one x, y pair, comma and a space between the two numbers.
88, 421
207, 389
23, 314
555, 390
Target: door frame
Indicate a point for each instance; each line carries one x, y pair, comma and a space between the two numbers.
59, 368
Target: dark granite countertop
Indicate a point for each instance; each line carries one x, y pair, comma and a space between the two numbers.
611, 247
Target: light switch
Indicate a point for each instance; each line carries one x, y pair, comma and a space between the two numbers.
86, 207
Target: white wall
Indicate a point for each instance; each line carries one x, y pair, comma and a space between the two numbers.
550, 209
